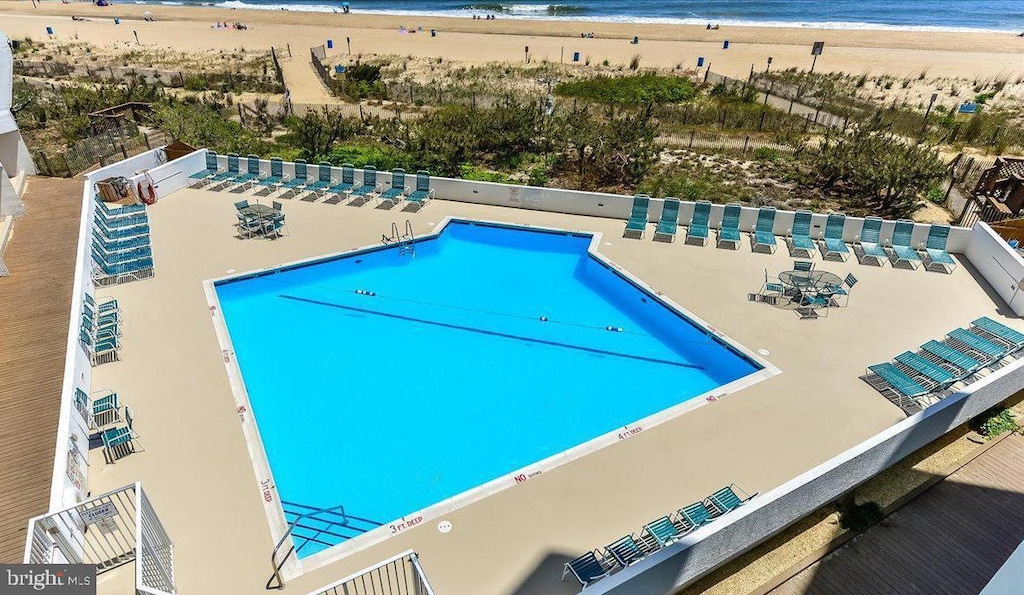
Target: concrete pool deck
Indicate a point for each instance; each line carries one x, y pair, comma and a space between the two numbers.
199, 475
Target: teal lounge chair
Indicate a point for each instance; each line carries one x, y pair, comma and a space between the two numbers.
122, 222
726, 500
369, 186
945, 353
934, 250
119, 442
276, 177
663, 531
637, 223
323, 181
800, 235
900, 249
832, 242
697, 514
100, 351
295, 185
697, 230
394, 194
223, 179
202, 177
627, 550
913, 363
729, 232
246, 179
999, 333
669, 220
423, 191
977, 344
101, 307
120, 245
338, 191
903, 385
109, 213
107, 273
588, 569
104, 410
763, 235
867, 244
120, 233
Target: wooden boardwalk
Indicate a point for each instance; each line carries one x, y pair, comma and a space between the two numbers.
35, 302
950, 540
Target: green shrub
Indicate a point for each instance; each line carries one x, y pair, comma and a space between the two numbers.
766, 154
936, 195
468, 172
630, 90
860, 517
994, 422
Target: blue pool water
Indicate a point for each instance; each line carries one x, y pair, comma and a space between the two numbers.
447, 377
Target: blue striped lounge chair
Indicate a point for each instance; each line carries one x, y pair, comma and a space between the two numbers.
934, 250
668, 221
323, 181
663, 531
945, 354
697, 514
120, 245
104, 409
999, 333
729, 232
628, 550
105, 306
423, 192
928, 371
100, 351
727, 499
203, 176
867, 245
394, 194
697, 230
588, 569
275, 179
118, 211
106, 273
122, 222
763, 236
973, 344
337, 192
368, 188
900, 249
832, 243
120, 233
119, 441
224, 179
800, 235
295, 185
637, 224
903, 386
246, 179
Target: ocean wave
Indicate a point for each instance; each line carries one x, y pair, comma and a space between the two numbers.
513, 9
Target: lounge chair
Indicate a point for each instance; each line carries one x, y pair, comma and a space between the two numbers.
763, 235
729, 232
934, 250
588, 569
102, 319
955, 357
200, 178
104, 410
978, 344
697, 514
102, 307
369, 186
298, 181
800, 235
348, 180
119, 442
999, 333
663, 531
122, 256
697, 230
394, 194
122, 222
246, 179
224, 179
832, 242
867, 245
900, 249
726, 500
118, 211
106, 273
912, 363
903, 385
120, 233
627, 551
637, 223
100, 351
275, 179
669, 220
423, 191
120, 245
323, 182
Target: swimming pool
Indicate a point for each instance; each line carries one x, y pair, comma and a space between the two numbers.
390, 383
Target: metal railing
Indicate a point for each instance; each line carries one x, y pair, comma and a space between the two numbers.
109, 530
398, 575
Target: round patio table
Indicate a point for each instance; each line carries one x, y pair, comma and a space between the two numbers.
257, 210
809, 281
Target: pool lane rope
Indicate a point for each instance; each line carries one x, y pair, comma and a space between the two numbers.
481, 331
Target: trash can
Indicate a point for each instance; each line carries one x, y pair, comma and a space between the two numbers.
725, 44
700, 61
117, 21
433, 32
575, 56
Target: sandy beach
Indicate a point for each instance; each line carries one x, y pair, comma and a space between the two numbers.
899, 53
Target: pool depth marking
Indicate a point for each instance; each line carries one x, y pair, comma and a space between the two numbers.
492, 333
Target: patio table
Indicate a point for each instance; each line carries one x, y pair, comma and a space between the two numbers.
809, 281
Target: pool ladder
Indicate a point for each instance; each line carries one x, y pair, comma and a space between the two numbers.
406, 241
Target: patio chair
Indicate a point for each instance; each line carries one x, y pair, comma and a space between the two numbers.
697, 230
800, 235
223, 179
727, 500
999, 333
669, 220
423, 191
200, 178
832, 242
867, 244
771, 290
903, 385
369, 186
663, 531
934, 250
942, 352
276, 177
900, 249
763, 235
911, 363
729, 232
977, 344
697, 514
843, 289
323, 181
119, 442
805, 266
104, 410
637, 223
394, 194
295, 185
348, 180
627, 551
588, 569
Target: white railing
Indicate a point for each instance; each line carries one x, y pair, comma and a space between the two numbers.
110, 530
398, 575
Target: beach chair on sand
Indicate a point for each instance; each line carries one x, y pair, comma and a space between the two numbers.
200, 178
394, 194
800, 235
588, 569
338, 191
637, 224
763, 235
423, 191
900, 250
697, 230
669, 220
867, 244
729, 232
369, 186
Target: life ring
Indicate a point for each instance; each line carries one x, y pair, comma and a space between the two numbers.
147, 191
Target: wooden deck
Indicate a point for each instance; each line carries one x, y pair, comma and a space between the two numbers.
951, 539
35, 301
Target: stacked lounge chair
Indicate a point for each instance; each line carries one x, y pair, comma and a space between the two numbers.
99, 333
120, 244
119, 441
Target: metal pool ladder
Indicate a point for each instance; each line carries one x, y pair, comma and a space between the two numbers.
406, 241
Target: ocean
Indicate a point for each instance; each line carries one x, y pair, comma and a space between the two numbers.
934, 15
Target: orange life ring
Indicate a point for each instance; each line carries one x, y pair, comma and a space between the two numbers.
147, 192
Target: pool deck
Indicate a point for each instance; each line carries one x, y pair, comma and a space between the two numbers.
198, 473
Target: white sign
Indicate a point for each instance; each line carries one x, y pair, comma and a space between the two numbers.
91, 516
